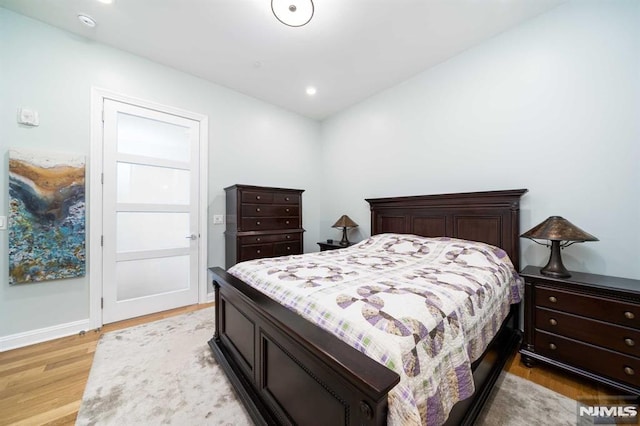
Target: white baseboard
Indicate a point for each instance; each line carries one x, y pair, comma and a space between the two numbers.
32, 337
27, 338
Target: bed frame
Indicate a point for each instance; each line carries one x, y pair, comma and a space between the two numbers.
286, 370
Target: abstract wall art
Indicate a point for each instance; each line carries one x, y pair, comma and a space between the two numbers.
46, 216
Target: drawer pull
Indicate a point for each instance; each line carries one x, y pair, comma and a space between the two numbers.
257, 197
258, 222
287, 210
287, 222
286, 198
288, 248
629, 342
258, 251
288, 237
258, 209
629, 315
552, 299
258, 239
552, 346
553, 322
629, 371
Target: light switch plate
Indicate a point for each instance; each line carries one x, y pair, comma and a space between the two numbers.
3, 223
28, 117
218, 219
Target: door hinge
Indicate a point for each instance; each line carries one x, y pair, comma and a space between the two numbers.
102, 303
103, 115
102, 178
101, 240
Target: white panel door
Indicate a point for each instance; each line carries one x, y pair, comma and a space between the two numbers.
150, 217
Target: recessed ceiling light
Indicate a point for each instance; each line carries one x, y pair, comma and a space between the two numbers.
87, 20
311, 90
106, 1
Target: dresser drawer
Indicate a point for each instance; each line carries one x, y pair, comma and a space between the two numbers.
286, 198
616, 337
286, 248
608, 363
259, 224
260, 210
618, 312
272, 238
257, 251
258, 197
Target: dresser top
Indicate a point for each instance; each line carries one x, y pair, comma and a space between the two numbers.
260, 188
583, 278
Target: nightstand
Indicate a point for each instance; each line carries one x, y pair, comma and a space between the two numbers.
334, 245
586, 324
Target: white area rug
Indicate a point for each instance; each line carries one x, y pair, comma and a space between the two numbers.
164, 373
160, 373
518, 402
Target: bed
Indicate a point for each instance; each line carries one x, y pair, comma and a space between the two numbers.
265, 347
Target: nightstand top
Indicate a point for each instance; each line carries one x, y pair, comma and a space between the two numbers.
334, 244
583, 278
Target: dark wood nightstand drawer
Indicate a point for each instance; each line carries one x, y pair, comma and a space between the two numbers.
615, 311
605, 362
270, 223
615, 337
283, 249
260, 210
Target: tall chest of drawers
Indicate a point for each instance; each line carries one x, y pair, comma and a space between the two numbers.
586, 324
262, 222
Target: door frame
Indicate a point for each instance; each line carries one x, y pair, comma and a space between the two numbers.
98, 95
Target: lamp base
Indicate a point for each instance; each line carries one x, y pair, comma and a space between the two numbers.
344, 241
555, 268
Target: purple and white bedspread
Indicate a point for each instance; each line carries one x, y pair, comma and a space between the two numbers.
424, 307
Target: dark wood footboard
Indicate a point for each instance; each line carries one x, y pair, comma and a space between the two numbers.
288, 371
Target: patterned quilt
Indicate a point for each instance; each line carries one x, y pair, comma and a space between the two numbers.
424, 307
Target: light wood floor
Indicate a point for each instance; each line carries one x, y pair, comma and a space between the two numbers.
43, 384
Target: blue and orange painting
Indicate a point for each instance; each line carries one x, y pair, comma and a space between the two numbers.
46, 216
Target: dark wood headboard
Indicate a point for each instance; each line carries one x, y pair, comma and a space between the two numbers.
492, 217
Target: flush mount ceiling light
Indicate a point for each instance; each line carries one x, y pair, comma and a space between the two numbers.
294, 13
87, 20
311, 90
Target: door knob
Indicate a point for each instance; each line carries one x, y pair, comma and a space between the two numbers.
192, 237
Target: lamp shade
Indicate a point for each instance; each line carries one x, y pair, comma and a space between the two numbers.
344, 222
561, 233
557, 228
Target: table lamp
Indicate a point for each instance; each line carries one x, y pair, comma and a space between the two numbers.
344, 222
561, 233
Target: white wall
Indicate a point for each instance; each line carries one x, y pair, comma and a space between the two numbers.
53, 71
552, 105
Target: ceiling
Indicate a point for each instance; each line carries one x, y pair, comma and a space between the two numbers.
349, 51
